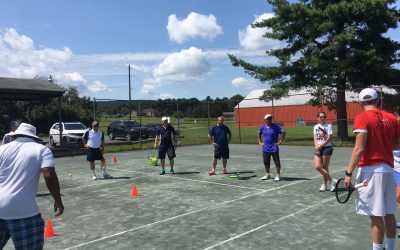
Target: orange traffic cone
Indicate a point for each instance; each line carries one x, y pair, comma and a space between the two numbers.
114, 159
49, 232
134, 191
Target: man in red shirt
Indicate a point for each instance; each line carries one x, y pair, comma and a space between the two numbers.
377, 132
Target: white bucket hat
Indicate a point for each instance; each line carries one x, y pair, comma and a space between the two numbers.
164, 118
267, 116
27, 130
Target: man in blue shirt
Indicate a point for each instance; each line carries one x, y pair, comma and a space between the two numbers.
220, 136
166, 141
269, 133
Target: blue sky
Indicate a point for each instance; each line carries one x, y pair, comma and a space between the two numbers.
176, 48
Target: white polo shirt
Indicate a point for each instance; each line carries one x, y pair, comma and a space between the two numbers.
94, 138
21, 162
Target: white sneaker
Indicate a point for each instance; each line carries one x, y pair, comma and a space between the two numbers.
94, 177
322, 188
398, 224
266, 177
277, 178
333, 185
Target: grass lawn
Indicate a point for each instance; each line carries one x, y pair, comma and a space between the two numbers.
195, 131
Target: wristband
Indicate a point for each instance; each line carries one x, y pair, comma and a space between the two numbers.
348, 174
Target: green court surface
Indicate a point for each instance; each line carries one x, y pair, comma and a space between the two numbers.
192, 210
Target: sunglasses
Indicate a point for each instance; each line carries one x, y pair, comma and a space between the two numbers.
322, 117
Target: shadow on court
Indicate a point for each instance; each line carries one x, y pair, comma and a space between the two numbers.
193, 210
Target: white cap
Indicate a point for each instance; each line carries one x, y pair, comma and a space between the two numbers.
164, 118
26, 129
267, 116
368, 94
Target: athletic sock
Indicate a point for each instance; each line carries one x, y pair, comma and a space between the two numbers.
94, 172
104, 171
376, 246
390, 243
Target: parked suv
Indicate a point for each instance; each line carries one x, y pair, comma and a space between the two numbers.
71, 133
153, 129
129, 130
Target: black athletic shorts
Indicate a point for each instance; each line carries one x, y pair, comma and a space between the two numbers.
221, 152
267, 158
168, 150
324, 151
94, 154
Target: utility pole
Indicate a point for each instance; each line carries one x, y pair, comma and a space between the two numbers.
130, 109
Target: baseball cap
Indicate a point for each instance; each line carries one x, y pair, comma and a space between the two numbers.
164, 118
368, 94
267, 116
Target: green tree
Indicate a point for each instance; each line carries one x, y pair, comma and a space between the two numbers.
339, 44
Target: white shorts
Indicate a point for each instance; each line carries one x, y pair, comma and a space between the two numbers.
379, 197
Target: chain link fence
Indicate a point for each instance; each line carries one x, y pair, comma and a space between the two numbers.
193, 119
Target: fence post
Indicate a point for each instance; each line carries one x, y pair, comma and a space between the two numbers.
240, 134
94, 108
208, 114
177, 113
140, 123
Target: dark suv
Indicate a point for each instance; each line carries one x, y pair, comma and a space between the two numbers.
129, 130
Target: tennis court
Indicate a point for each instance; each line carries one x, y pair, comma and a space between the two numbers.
192, 210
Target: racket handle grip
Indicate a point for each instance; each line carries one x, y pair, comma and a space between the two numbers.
362, 184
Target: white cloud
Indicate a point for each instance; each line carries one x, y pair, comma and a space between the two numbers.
241, 82
20, 58
183, 66
97, 86
180, 67
166, 96
193, 26
252, 38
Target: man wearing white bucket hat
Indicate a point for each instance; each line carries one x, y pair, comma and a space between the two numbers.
22, 161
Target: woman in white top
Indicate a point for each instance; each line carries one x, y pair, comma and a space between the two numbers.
323, 151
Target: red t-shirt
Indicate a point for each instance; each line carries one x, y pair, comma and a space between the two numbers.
382, 129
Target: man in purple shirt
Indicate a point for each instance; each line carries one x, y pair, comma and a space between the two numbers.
268, 136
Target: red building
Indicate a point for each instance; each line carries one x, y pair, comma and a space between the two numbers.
289, 111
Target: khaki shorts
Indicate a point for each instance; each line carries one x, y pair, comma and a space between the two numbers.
379, 197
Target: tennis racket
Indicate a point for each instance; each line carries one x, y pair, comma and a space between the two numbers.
336, 140
343, 193
243, 176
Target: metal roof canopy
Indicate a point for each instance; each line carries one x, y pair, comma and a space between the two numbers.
17, 89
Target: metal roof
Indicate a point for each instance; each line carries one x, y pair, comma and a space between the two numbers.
17, 89
300, 97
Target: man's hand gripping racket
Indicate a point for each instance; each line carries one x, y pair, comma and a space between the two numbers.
343, 193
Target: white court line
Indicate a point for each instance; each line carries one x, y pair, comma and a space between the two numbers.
195, 211
181, 215
269, 223
194, 180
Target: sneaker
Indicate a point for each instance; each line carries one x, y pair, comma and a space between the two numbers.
224, 171
322, 188
277, 178
266, 177
94, 177
162, 172
107, 176
398, 224
172, 171
212, 172
333, 185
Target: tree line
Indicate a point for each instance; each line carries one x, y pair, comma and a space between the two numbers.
44, 113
